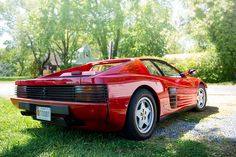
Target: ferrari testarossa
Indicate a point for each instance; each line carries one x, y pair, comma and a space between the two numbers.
128, 95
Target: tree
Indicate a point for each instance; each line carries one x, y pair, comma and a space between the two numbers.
216, 20
7, 68
222, 32
35, 35
66, 28
15, 14
62, 26
145, 27
103, 22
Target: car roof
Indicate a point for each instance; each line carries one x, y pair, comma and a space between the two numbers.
107, 61
150, 58
119, 60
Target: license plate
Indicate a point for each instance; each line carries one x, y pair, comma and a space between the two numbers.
43, 113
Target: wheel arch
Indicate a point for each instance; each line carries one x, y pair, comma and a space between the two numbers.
155, 96
203, 83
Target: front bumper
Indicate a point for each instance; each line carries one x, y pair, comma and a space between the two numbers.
64, 113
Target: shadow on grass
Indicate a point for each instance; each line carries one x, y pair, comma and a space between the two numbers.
193, 116
179, 124
57, 141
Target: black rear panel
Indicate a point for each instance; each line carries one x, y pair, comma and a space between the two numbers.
82, 93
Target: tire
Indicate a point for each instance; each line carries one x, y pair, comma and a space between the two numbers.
201, 98
141, 116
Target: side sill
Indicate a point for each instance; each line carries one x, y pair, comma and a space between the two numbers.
163, 118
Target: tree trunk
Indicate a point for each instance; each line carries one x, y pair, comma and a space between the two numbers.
116, 44
40, 71
103, 48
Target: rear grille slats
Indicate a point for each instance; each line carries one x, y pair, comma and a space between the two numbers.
89, 93
82, 93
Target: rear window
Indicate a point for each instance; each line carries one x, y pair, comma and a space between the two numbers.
103, 67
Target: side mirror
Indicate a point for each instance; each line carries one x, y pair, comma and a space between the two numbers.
192, 72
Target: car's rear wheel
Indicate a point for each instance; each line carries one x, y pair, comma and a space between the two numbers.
201, 98
141, 116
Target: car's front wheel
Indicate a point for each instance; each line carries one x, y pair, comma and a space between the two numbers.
201, 98
141, 116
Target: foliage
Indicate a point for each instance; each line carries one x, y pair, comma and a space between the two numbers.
8, 63
103, 22
143, 35
216, 20
206, 65
199, 21
6, 69
62, 17
33, 39
137, 28
61, 27
223, 34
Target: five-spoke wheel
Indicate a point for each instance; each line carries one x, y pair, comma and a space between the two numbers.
201, 98
144, 114
141, 116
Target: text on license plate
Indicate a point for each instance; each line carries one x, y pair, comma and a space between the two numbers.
43, 113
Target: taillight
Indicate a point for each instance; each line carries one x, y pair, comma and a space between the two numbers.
91, 93
21, 91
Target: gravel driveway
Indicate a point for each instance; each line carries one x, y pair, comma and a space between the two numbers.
216, 125
217, 122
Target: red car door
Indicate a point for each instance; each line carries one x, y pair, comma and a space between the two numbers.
181, 90
186, 92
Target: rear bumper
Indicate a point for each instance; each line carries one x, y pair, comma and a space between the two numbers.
66, 112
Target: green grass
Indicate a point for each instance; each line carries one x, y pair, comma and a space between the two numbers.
22, 136
223, 83
14, 78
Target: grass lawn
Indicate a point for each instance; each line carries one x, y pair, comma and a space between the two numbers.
22, 136
14, 78
223, 83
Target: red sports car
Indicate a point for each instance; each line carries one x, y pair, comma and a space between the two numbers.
127, 95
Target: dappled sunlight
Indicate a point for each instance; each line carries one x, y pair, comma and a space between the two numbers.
52, 140
214, 128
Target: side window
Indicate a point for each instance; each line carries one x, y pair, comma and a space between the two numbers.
151, 68
168, 70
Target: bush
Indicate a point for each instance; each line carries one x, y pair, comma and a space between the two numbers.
207, 65
6, 69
